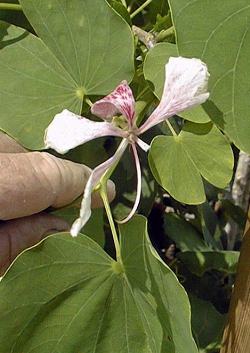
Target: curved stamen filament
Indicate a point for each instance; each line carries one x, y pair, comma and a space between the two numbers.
138, 191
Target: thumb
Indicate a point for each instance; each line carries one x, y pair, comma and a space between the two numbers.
32, 182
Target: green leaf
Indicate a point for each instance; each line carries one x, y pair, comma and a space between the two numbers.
179, 162
158, 7
210, 226
207, 324
186, 236
154, 65
34, 87
77, 55
154, 71
197, 115
199, 262
93, 43
67, 295
222, 40
121, 9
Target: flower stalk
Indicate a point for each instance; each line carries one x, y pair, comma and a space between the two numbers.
103, 194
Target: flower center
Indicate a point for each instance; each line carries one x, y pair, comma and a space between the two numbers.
132, 137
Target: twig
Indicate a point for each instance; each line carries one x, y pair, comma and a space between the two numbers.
146, 38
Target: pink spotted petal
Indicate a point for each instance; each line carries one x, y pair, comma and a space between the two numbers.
138, 191
94, 179
120, 101
185, 87
68, 130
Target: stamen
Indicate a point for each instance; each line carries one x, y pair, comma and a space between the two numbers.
138, 191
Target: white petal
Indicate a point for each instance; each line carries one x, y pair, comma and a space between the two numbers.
185, 87
94, 179
68, 130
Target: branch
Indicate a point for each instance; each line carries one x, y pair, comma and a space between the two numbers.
146, 38
236, 337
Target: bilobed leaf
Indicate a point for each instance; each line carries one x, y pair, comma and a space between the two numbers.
179, 162
85, 48
34, 86
88, 37
154, 71
220, 36
67, 295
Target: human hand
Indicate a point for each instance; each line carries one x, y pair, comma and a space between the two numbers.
30, 182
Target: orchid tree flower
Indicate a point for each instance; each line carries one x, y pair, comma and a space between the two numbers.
185, 87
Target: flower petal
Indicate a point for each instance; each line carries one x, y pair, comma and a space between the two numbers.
185, 87
138, 191
94, 179
68, 130
121, 100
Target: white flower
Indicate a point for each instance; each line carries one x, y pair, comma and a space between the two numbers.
185, 87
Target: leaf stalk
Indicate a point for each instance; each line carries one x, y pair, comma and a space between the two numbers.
140, 9
11, 7
171, 127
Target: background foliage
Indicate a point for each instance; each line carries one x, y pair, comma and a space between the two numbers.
65, 51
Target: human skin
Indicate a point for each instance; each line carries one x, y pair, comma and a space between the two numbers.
30, 182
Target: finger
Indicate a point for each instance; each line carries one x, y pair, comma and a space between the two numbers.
19, 234
9, 145
31, 182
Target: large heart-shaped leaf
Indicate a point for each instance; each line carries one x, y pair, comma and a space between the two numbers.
154, 71
76, 55
179, 162
34, 87
67, 295
220, 36
93, 43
